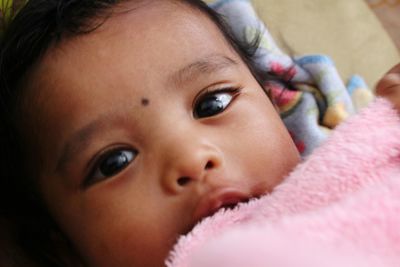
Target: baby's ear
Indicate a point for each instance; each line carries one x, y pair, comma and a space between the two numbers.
389, 88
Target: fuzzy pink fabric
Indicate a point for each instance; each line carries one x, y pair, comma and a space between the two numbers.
340, 207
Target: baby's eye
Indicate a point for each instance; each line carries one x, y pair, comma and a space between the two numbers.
213, 103
110, 164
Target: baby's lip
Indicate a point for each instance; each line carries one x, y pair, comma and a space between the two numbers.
217, 199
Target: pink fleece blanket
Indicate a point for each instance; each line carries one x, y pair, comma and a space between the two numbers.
340, 207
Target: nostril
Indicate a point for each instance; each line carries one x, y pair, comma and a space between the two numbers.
182, 181
209, 165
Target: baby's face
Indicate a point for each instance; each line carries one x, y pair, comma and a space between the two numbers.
147, 125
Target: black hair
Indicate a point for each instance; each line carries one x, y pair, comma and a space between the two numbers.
37, 26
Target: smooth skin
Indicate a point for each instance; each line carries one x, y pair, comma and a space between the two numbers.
146, 126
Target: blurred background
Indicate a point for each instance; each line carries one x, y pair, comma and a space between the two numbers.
388, 12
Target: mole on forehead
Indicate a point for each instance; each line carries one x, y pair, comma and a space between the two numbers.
145, 101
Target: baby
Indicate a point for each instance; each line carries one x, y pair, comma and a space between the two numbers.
130, 121
127, 122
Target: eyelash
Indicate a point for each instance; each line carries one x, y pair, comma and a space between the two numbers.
95, 163
232, 90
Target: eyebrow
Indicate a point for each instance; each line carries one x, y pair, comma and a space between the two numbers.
206, 65
82, 137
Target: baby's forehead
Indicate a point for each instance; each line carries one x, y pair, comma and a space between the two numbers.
141, 22
175, 22
142, 47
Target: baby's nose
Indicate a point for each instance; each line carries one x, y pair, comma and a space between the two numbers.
189, 163
186, 179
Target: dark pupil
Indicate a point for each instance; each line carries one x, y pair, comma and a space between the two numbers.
211, 105
114, 163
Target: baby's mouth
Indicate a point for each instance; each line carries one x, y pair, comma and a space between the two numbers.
224, 198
